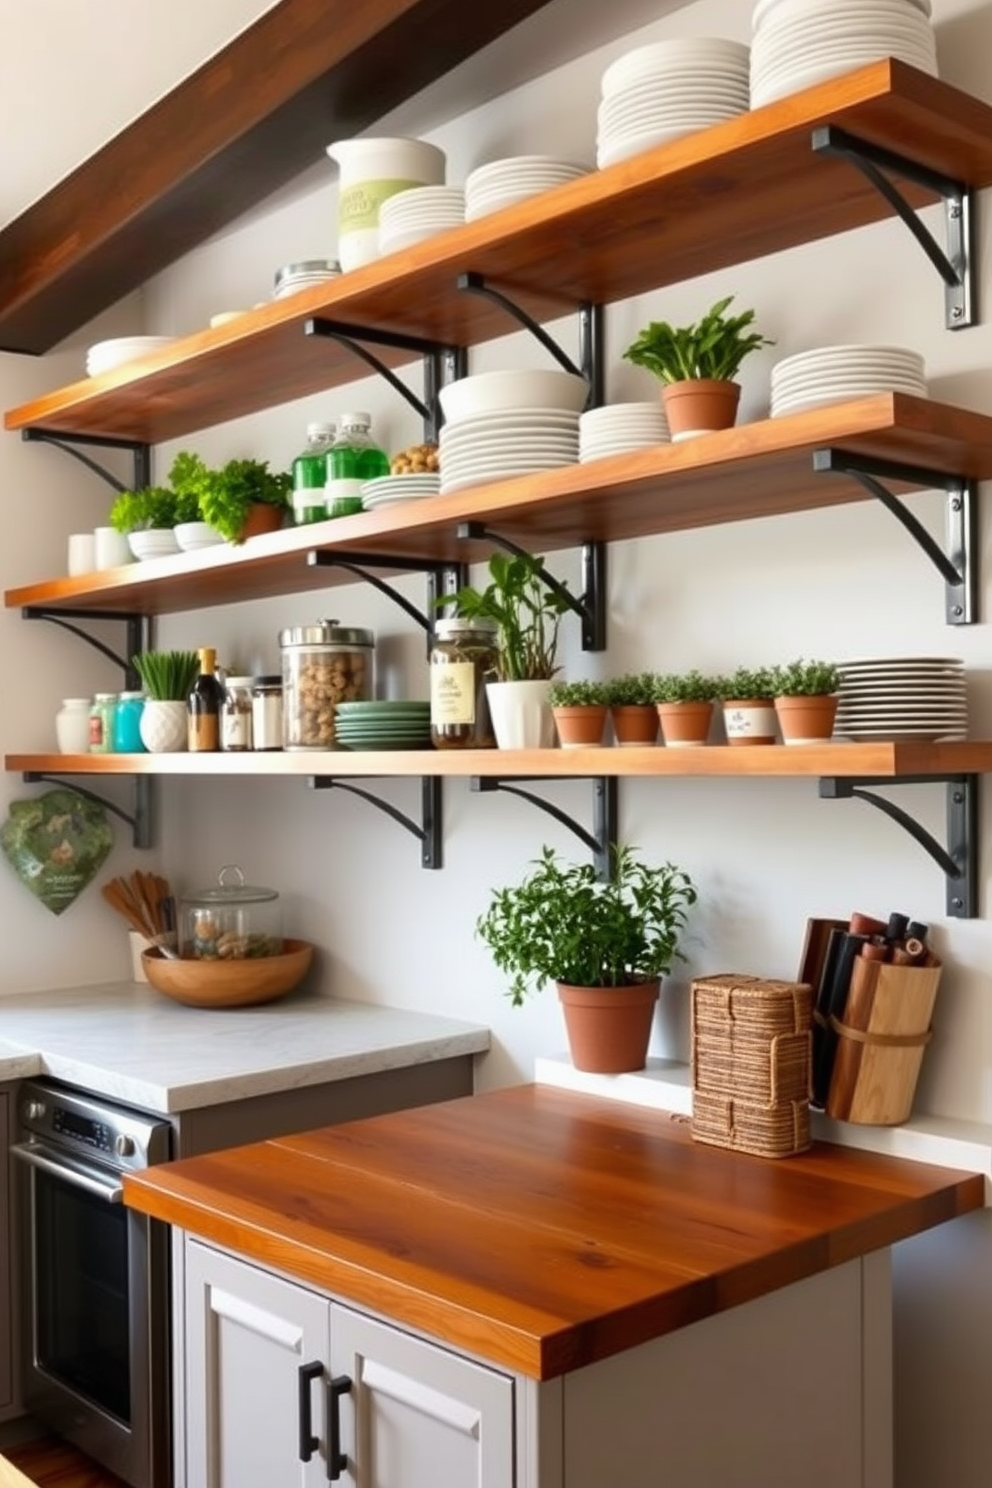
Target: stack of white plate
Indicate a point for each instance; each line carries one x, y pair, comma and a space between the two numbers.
108, 354
153, 542
904, 697
304, 275
667, 89
503, 182
508, 442
798, 43
385, 490
834, 374
617, 428
411, 216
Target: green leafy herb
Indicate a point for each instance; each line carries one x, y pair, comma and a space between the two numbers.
167, 674
685, 687
631, 690
577, 694
714, 347
806, 679
526, 610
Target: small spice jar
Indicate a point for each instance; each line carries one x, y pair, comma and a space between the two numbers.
127, 723
102, 723
235, 715
72, 726
463, 660
322, 665
266, 712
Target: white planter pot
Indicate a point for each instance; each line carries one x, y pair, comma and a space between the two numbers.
162, 726
749, 721
521, 714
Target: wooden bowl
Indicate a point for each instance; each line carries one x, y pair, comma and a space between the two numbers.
228, 984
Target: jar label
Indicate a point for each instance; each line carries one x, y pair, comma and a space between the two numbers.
453, 693
340, 489
358, 205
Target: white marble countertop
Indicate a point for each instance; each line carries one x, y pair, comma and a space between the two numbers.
126, 1041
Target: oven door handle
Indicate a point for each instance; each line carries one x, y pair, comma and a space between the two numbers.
69, 1172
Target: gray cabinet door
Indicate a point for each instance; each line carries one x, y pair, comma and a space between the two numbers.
249, 1339
417, 1416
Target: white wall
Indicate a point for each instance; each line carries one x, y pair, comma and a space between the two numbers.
765, 855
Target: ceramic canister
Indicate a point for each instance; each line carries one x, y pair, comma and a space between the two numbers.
370, 170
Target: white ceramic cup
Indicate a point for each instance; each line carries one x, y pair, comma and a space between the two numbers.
110, 548
82, 553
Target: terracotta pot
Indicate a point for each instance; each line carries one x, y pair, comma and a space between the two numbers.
609, 1028
700, 405
580, 725
806, 720
750, 721
262, 517
685, 724
634, 724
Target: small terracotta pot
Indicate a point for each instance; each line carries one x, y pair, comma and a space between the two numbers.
700, 405
262, 517
634, 724
609, 1028
685, 724
580, 725
806, 720
750, 721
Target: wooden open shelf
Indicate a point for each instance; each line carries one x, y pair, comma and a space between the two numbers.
877, 760
734, 192
759, 469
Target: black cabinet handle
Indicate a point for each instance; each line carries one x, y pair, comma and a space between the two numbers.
305, 1376
337, 1461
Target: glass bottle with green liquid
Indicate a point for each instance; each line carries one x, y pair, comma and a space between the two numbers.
310, 475
352, 459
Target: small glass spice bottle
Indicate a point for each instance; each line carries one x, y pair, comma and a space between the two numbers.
235, 715
463, 659
266, 711
102, 722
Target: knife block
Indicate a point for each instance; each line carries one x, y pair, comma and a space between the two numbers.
882, 1036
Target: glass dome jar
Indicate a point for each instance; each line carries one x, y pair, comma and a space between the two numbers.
231, 921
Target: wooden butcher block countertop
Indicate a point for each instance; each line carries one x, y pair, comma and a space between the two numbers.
542, 1229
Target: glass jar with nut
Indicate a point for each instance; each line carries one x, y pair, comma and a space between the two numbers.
231, 920
322, 665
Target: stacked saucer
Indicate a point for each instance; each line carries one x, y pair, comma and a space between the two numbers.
386, 490
798, 43
618, 428
667, 89
834, 374
904, 697
412, 216
106, 355
507, 442
502, 182
304, 275
383, 725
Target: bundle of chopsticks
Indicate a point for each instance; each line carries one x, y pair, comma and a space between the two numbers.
148, 906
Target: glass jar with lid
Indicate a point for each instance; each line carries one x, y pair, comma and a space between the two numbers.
322, 665
231, 920
463, 659
235, 715
266, 711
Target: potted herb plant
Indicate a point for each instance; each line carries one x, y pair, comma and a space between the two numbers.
148, 516
241, 499
606, 945
697, 366
748, 705
806, 700
167, 678
579, 710
528, 615
632, 710
685, 707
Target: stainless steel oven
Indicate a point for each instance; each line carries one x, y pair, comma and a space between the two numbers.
94, 1280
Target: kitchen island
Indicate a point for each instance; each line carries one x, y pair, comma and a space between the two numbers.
536, 1288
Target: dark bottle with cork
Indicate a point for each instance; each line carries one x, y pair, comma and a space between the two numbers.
204, 705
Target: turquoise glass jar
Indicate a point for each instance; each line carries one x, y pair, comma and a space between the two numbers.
127, 723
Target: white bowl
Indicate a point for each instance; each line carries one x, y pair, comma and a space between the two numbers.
153, 542
193, 535
487, 392
108, 354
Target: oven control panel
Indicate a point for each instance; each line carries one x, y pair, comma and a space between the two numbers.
84, 1129
75, 1122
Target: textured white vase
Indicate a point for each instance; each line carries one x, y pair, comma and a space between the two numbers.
521, 714
163, 726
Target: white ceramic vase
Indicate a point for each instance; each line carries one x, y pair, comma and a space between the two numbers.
370, 170
72, 726
521, 714
163, 725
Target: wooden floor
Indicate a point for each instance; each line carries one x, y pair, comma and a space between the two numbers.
55, 1464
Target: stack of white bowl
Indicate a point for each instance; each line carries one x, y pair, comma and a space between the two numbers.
501, 424
503, 182
153, 542
304, 275
670, 88
411, 216
618, 428
106, 355
386, 490
835, 374
798, 43
902, 697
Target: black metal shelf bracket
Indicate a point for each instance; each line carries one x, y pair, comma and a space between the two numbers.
601, 841
137, 638
427, 831
139, 819
591, 324
441, 363
955, 266
590, 607
959, 859
442, 578
959, 572
140, 454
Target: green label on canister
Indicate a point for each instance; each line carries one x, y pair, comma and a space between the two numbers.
358, 205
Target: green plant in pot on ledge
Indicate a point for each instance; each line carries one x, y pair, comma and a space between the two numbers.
239, 500
685, 706
167, 678
579, 709
748, 696
697, 366
806, 700
148, 517
630, 698
606, 945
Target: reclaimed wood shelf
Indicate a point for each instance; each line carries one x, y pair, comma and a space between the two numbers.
759, 469
737, 191
880, 760
250, 119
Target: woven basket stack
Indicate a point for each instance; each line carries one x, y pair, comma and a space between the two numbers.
751, 1049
